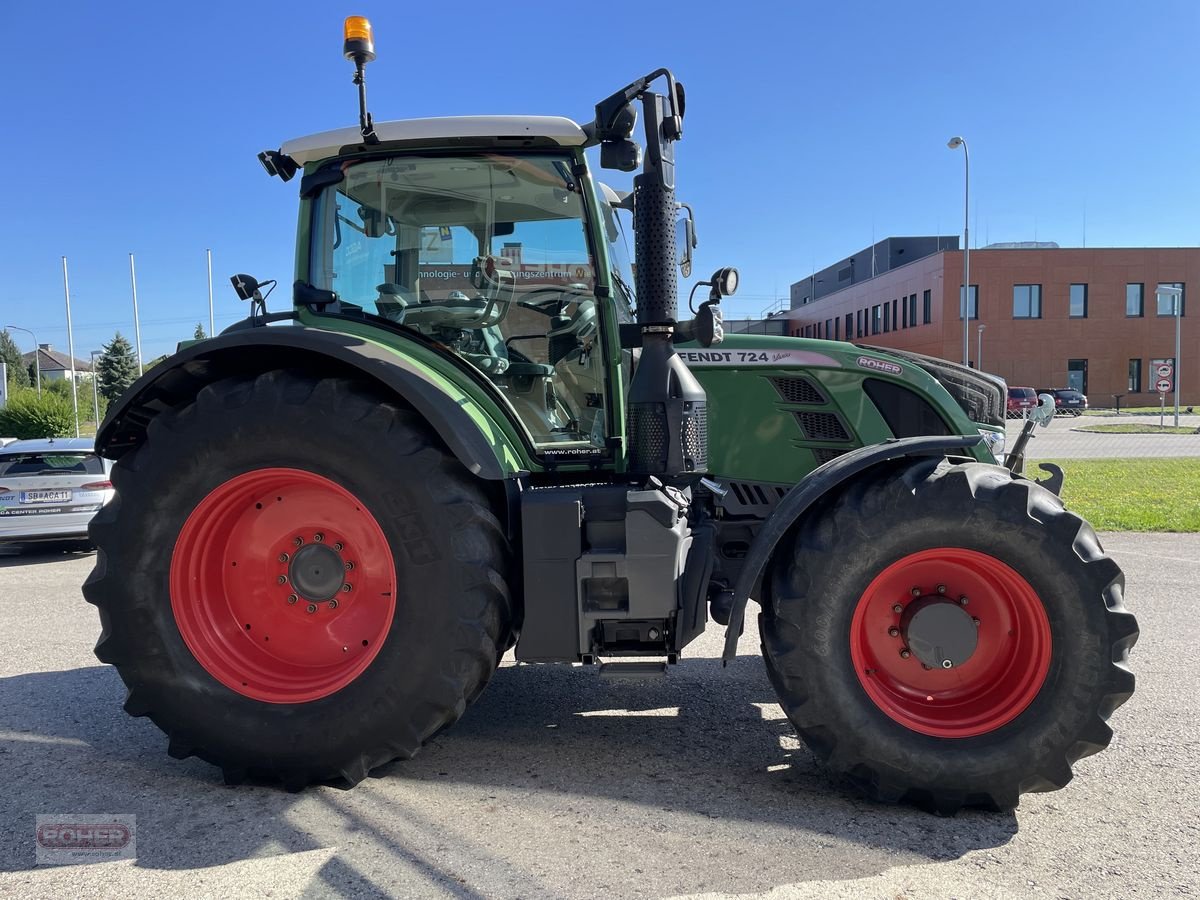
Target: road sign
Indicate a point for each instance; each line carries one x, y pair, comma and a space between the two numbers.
1163, 371
1164, 374
1163, 385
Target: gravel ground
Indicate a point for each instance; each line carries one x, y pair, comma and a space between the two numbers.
558, 785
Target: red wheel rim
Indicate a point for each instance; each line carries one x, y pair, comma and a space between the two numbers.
283, 585
999, 679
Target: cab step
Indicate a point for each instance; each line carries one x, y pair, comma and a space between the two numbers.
631, 670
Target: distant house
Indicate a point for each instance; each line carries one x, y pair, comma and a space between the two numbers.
55, 365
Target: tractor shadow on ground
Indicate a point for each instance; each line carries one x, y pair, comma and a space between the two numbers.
702, 744
17, 555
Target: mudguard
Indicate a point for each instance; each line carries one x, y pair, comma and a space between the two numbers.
810, 489
261, 349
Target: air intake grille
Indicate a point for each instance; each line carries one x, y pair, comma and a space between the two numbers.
648, 437
798, 390
695, 436
825, 454
820, 426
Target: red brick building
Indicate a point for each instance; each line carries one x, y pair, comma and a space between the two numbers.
1052, 317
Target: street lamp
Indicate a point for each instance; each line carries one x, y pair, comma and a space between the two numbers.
95, 388
979, 351
37, 353
1176, 295
954, 143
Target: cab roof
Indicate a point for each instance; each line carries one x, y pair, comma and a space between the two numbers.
556, 129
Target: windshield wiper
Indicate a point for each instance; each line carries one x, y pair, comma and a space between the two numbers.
625, 288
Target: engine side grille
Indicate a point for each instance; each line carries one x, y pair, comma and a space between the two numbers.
825, 454
798, 390
822, 426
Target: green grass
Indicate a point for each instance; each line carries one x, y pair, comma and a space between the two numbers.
1132, 428
1139, 410
1132, 494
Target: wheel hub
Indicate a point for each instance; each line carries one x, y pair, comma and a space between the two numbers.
939, 632
317, 572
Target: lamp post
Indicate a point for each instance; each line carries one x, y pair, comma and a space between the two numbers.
979, 350
95, 389
1176, 295
37, 354
965, 304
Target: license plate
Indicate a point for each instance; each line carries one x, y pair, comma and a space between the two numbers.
46, 496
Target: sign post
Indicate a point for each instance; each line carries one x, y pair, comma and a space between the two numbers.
4, 384
1164, 383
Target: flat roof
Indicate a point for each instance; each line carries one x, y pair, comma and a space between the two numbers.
327, 143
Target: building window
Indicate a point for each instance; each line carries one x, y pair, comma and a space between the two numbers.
895, 315
837, 328
1027, 301
1134, 300
973, 301
1078, 303
1135, 376
912, 310
876, 318
849, 325
928, 311
1166, 302
828, 329
1077, 375
904, 312
887, 317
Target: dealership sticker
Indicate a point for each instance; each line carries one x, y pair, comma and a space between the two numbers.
879, 365
70, 838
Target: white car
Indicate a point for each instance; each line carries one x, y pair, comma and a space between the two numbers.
50, 489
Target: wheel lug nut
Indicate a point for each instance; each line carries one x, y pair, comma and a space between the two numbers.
976, 621
298, 541
346, 588
963, 601
283, 557
292, 598
338, 546
318, 537
925, 667
941, 589
904, 653
349, 566
312, 608
897, 608
333, 604
916, 592
282, 579
894, 632
947, 664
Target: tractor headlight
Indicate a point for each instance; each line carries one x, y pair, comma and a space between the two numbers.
995, 443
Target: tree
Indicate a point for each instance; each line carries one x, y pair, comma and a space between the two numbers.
18, 376
116, 368
199, 334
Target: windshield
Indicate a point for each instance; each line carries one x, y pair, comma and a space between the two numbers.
489, 256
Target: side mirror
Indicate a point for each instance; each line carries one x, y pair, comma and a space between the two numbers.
1043, 413
246, 286
685, 240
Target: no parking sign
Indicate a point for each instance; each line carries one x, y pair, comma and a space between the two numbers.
1164, 375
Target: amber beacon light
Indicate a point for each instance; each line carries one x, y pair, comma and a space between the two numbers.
359, 44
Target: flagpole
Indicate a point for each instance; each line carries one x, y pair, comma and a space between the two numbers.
71, 346
211, 324
137, 325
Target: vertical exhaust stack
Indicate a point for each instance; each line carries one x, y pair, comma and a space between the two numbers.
668, 419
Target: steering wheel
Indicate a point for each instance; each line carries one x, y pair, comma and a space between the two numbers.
548, 307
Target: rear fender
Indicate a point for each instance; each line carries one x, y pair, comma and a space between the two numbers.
807, 492
462, 425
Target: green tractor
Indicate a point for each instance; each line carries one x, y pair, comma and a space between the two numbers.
480, 428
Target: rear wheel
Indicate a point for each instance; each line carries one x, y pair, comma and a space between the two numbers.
297, 581
950, 635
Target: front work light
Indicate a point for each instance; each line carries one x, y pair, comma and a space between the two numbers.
359, 43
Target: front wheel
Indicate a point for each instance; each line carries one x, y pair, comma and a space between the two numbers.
948, 634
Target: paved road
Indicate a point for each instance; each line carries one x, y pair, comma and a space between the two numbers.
1059, 441
555, 785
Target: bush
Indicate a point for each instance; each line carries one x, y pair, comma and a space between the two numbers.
29, 416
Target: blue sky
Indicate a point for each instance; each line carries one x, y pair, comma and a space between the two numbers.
810, 128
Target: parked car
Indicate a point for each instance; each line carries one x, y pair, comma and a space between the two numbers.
4, 442
1067, 401
50, 489
1020, 401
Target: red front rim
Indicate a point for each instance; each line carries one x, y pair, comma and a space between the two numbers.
999, 679
283, 585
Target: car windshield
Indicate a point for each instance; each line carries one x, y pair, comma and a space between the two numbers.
49, 464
